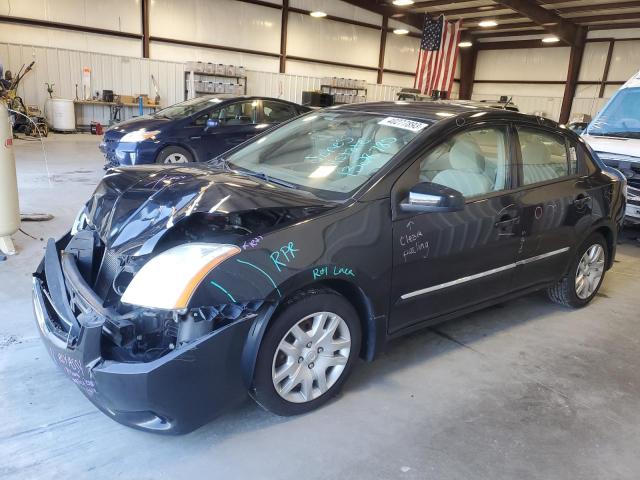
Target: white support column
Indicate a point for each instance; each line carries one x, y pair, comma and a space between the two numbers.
9, 208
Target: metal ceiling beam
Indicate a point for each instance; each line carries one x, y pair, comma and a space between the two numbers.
517, 33
504, 26
564, 29
597, 7
438, 3
604, 18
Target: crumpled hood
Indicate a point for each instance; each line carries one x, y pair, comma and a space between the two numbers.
133, 207
629, 147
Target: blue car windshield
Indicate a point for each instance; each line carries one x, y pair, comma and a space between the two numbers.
330, 152
620, 117
186, 108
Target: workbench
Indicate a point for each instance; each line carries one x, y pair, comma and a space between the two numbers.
115, 111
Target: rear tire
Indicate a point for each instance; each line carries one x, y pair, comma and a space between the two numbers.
307, 353
586, 274
174, 155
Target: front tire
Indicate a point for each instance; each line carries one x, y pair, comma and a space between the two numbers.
581, 284
174, 155
307, 353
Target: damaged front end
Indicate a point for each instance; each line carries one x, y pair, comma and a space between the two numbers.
157, 370
118, 299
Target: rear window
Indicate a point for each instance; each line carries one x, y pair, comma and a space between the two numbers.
544, 156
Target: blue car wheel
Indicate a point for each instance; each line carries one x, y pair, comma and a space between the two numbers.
171, 155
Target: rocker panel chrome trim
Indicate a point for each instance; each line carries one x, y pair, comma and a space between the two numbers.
476, 276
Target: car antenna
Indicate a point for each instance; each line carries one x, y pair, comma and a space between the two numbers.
504, 107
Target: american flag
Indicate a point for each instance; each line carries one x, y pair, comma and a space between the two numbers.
438, 55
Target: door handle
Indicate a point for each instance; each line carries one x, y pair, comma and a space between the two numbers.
505, 223
195, 138
582, 200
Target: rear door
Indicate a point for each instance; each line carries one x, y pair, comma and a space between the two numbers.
556, 198
275, 112
444, 262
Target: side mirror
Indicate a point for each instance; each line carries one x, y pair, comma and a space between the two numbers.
431, 197
211, 124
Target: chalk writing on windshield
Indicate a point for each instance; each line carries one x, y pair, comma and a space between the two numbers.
352, 154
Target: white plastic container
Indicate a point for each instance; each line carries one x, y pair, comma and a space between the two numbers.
60, 114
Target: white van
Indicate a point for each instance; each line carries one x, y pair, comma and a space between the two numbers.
615, 136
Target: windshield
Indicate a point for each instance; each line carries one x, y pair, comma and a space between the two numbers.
331, 152
186, 108
620, 117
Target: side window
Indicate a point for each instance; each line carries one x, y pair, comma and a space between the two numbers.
474, 162
544, 156
276, 112
241, 113
201, 120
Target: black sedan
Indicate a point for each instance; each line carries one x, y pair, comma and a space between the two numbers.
271, 270
195, 130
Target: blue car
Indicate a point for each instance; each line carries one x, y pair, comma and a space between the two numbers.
195, 130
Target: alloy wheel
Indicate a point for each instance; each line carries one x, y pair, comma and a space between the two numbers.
311, 357
590, 271
176, 158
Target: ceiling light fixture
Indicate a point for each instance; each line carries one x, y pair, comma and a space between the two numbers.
401, 31
465, 44
318, 14
487, 23
550, 39
403, 3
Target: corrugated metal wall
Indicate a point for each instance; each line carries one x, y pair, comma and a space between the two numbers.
130, 76
123, 75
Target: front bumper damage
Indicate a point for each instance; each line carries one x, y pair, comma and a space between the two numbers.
174, 393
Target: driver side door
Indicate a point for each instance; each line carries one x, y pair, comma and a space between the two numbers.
444, 262
237, 122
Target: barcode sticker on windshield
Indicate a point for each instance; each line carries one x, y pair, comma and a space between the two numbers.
403, 123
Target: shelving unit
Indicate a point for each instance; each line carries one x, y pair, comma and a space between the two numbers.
192, 78
336, 91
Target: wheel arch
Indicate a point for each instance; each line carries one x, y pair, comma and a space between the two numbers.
372, 330
610, 238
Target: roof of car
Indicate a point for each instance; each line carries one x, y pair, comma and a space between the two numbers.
432, 111
224, 98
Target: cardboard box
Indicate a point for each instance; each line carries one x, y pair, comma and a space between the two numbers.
127, 99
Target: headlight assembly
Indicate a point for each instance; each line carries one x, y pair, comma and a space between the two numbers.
168, 280
139, 136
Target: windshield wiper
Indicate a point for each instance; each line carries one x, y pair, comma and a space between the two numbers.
267, 178
621, 134
220, 162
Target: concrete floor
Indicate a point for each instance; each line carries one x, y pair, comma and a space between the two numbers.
526, 390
